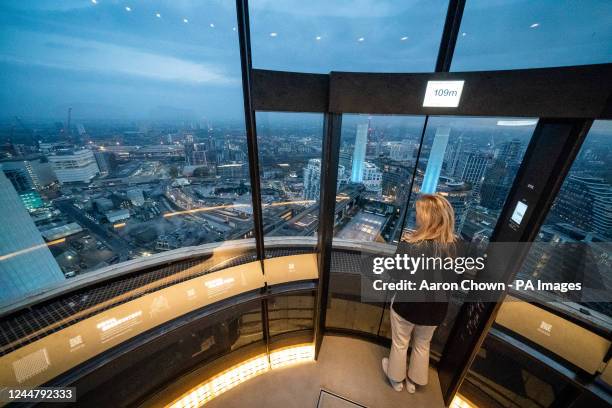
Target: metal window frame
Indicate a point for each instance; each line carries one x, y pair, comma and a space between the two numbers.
476, 318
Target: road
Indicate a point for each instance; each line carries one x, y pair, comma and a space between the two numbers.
116, 244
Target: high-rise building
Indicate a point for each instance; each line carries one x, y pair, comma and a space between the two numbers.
496, 185
451, 157
511, 153
586, 203
401, 151
396, 178
312, 179
436, 158
345, 159
106, 161
195, 154
71, 166
458, 194
359, 153
24, 185
472, 166
38, 171
372, 180
26, 264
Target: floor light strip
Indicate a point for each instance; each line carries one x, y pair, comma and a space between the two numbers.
242, 372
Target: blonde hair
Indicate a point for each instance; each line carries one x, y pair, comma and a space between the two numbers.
435, 219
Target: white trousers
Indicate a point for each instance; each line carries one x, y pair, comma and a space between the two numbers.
401, 332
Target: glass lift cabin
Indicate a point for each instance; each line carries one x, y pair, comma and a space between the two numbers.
173, 258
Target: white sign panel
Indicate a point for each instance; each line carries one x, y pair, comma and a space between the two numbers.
519, 212
443, 94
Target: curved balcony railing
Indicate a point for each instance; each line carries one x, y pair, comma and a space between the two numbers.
208, 300
185, 308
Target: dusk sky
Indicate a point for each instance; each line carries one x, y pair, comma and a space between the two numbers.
166, 59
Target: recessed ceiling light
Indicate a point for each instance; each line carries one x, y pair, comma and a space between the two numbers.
463, 34
318, 37
158, 15
185, 21
94, 1
534, 25
273, 34
233, 28
128, 8
404, 38
212, 25
361, 39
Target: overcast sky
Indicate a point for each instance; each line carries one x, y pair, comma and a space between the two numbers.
164, 59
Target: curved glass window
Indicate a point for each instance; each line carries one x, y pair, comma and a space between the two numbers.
125, 135
518, 34
573, 244
290, 147
472, 161
378, 154
376, 163
322, 36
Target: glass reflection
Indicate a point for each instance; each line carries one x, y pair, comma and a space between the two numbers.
518, 34
290, 146
376, 164
122, 136
579, 222
323, 36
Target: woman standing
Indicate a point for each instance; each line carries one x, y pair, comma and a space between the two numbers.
434, 237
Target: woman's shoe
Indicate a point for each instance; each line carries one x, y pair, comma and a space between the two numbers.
410, 386
397, 386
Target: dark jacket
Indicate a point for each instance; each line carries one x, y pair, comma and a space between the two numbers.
423, 310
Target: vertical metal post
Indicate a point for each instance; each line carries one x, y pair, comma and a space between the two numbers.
244, 39
404, 214
454, 14
551, 152
327, 205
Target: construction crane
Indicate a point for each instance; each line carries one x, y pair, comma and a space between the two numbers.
67, 132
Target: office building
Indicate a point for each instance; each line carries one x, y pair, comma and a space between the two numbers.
24, 182
312, 179
458, 194
372, 180
74, 166
359, 153
402, 151
472, 166
36, 170
586, 203
26, 263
